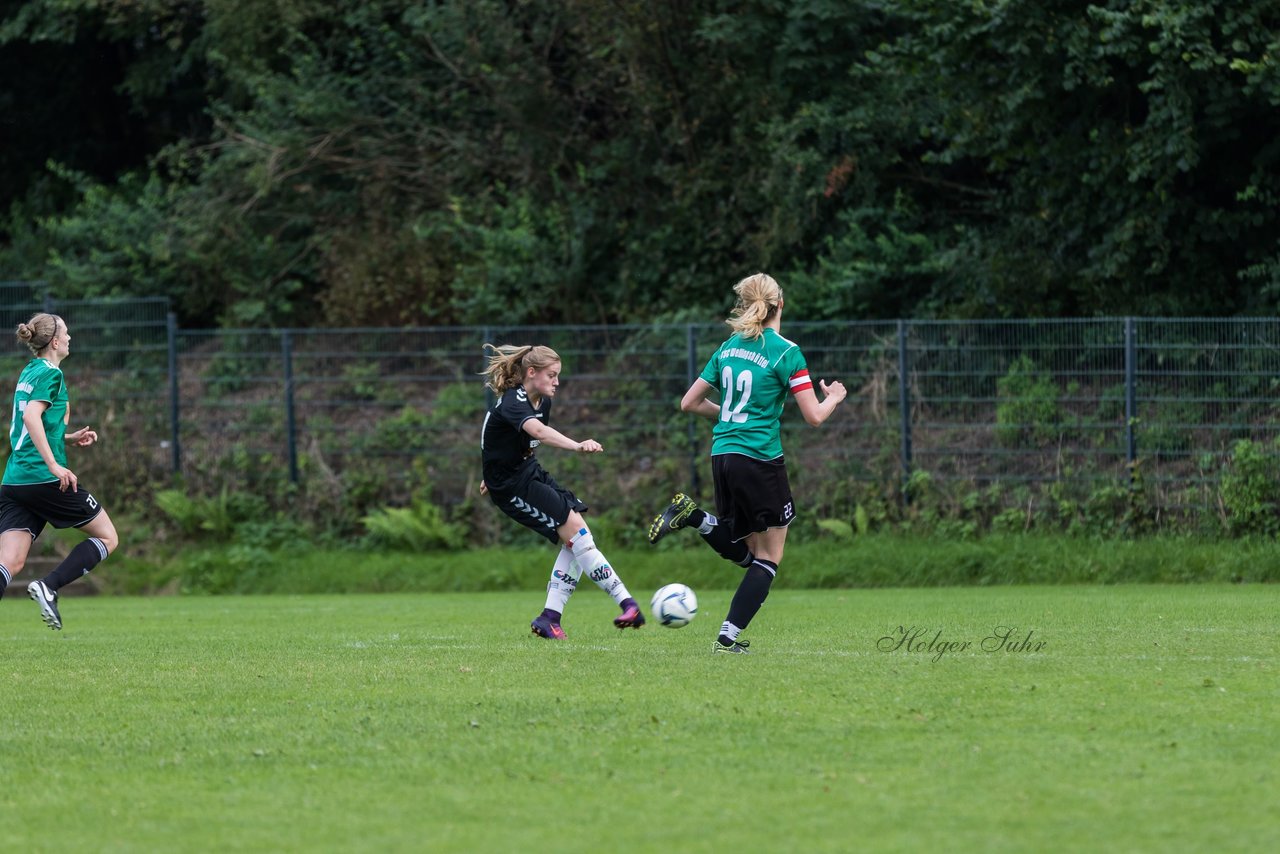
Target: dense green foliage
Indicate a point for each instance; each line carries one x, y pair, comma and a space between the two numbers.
388, 162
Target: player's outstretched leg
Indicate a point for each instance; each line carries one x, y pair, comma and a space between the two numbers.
595, 566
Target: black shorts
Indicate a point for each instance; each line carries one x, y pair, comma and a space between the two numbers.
29, 507
539, 503
751, 495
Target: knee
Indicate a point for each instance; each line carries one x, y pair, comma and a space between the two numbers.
572, 528
110, 541
14, 564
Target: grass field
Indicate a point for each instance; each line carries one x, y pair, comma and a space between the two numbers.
1146, 720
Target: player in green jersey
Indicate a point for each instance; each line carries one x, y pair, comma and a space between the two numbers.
754, 371
38, 488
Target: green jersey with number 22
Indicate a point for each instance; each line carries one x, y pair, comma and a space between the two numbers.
41, 381
754, 376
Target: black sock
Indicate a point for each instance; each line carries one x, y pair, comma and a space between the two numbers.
721, 539
5, 578
84, 557
695, 518
752, 592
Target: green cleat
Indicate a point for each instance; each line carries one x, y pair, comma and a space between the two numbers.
735, 648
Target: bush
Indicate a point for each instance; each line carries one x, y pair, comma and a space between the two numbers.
1028, 413
1250, 490
419, 527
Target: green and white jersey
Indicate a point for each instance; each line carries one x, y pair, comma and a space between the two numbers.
754, 377
39, 381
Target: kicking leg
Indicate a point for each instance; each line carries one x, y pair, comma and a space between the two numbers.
592, 563
683, 512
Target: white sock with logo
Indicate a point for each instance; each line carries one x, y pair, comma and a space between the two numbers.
593, 564
564, 580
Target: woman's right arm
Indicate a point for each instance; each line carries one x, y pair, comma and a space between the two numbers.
551, 436
32, 419
695, 400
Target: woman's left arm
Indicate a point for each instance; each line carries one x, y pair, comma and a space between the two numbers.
816, 413
81, 438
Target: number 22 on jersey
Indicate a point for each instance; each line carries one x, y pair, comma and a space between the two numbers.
728, 411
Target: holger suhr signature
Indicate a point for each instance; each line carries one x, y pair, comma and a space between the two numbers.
925, 641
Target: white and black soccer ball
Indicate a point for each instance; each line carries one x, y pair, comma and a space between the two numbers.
674, 605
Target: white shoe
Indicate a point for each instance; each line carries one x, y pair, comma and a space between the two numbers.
48, 602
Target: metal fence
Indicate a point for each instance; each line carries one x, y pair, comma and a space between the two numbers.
377, 414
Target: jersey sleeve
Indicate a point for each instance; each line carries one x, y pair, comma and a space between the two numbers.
711, 373
795, 370
46, 386
515, 408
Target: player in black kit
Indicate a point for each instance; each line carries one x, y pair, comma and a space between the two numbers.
525, 380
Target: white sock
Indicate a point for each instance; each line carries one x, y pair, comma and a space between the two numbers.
593, 564
708, 522
564, 580
730, 631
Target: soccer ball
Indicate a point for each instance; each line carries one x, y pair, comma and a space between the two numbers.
674, 605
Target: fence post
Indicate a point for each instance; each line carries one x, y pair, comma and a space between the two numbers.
691, 373
489, 398
286, 348
1130, 395
904, 405
174, 397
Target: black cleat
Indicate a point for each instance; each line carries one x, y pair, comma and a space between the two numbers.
673, 518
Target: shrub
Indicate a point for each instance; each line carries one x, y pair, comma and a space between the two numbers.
1027, 413
1250, 490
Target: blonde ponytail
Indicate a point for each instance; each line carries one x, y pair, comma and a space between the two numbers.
508, 362
758, 298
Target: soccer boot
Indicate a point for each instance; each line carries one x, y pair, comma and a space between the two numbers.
545, 627
735, 648
631, 617
673, 518
48, 602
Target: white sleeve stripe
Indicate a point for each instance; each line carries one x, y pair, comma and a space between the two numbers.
801, 378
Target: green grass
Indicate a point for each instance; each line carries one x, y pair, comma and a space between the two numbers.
413, 722
879, 560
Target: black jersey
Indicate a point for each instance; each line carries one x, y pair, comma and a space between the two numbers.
506, 450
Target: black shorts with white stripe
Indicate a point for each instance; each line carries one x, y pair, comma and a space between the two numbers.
539, 503
29, 507
751, 495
